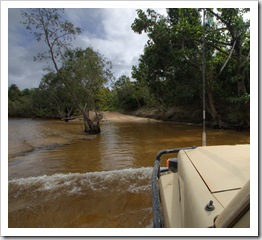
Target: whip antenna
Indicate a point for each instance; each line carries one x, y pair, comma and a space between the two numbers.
204, 82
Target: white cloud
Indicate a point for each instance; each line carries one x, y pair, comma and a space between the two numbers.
108, 31
117, 42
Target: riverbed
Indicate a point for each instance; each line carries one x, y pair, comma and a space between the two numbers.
58, 176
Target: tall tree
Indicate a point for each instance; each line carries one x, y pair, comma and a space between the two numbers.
170, 50
172, 60
235, 33
230, 36
49, 26
85, 72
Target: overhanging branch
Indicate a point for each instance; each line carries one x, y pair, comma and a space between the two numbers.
233, 47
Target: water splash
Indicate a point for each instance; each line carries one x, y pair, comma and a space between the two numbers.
134, 180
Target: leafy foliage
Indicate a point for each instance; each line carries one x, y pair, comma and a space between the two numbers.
171, 64
130, 95
19, 102
85, 72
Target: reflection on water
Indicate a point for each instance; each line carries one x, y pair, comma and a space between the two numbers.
117, 149
61, 177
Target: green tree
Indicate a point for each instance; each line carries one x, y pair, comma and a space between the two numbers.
172, 67
13, 92
59, 99
19, 102
106, 99
41, 104
85, 73
131, 95
170, 50
231, 37
49, 26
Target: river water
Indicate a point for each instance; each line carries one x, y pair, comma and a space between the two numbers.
60, 177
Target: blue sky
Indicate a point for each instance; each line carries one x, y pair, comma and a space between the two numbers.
106, 30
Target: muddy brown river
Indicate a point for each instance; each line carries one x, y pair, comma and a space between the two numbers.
60, 177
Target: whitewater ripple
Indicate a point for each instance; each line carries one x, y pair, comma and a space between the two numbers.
134, 180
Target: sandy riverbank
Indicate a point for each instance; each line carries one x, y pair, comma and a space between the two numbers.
119, 117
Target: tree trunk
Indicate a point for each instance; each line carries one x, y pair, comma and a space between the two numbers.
212, 109
241, 88
211, 104
90, 127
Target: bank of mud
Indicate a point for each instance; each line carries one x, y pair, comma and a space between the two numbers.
185, 115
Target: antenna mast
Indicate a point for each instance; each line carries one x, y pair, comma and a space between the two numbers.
204, 83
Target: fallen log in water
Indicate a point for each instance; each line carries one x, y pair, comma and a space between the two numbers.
66, 119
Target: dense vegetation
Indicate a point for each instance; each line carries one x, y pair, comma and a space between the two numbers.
172, 63
168, 75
